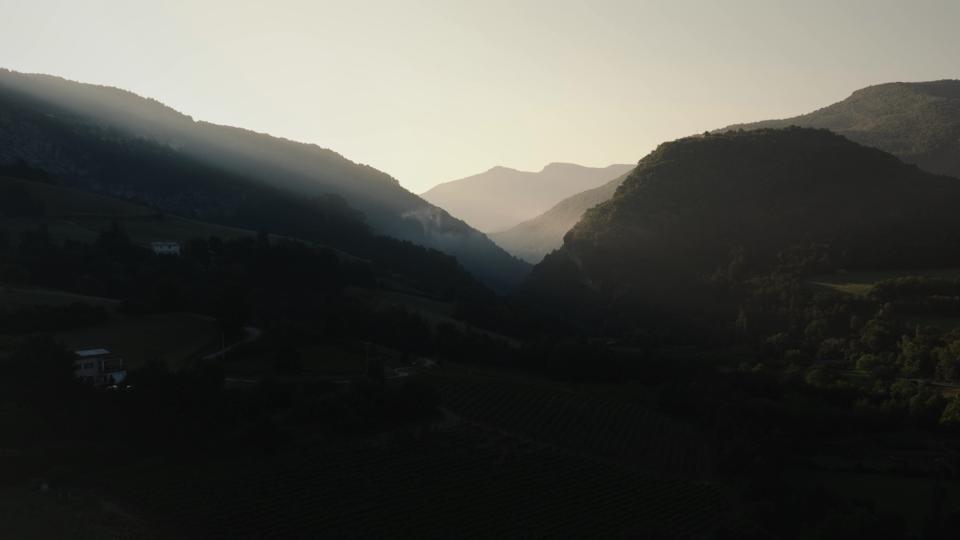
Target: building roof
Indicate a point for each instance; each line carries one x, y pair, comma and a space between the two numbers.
85, 353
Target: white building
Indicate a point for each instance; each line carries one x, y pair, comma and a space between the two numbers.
165, 248
98, 367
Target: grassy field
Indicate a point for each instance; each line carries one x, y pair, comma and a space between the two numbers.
141, 230
60, 201
81, 216
172, 338
13, 297
861, 283
434, 312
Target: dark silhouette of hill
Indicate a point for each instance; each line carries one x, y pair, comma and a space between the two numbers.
112, 141
917, 122
534, 238
501, 197
749, 203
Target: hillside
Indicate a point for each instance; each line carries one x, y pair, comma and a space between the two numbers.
500, 198
79, 216
917, 122
111, 141
534, 238
743, 204
33, 211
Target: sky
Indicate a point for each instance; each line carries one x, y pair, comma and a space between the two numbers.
434, 90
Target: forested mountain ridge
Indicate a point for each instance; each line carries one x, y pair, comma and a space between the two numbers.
501, 197
112, 141
737, 205
917, 122
534, 238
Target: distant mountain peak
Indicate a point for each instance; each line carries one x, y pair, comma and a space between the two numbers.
561, 166
502, 197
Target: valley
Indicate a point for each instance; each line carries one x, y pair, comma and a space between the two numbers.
751, 333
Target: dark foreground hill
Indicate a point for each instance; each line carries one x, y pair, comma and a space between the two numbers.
708, 208
917, 122
111, 141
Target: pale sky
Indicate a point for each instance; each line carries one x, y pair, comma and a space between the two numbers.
434, 90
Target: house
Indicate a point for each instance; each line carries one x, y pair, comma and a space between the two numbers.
165, 248
98, 367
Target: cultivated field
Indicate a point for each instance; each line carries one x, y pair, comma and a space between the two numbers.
607, 428
453, 482
911, 496
27, 512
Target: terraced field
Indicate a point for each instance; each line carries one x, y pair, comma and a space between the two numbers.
606, 428
458, 481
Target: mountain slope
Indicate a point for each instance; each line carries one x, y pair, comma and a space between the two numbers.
77, 216
917, 122
500, 198
112, 141
38, 217
748, 203
534, 238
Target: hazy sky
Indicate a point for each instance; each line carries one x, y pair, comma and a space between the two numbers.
429, 91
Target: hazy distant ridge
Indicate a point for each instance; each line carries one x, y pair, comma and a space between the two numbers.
534, 238
501, 197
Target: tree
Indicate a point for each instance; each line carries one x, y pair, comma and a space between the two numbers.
916, 355
948, 361
878, 334
951, 414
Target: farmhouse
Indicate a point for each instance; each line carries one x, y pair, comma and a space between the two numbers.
165, 248
98, 367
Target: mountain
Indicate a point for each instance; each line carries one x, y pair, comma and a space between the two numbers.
705, 209
534, 238
917, 122
112, 141
501, 198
